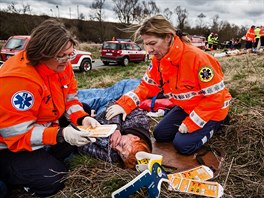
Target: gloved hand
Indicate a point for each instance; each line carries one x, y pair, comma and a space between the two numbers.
75, 137
114, 110
183, 128
89, 121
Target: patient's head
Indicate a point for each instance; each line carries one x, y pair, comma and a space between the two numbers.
139, 145
129, 144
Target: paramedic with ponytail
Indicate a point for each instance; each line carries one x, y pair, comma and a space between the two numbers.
189, 77
37, 90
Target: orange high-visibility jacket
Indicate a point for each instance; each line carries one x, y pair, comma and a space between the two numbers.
32, 101
261, 32
191, 79
250, 35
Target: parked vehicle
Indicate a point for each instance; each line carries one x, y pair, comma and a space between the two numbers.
122, 52
13, 45
198, 41
82, 62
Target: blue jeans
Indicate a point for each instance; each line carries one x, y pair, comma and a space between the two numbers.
187, 143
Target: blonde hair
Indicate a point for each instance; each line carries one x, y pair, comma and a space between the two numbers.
157, 26
47, 40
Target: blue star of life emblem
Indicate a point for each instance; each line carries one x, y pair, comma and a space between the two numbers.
150, 66
22, 100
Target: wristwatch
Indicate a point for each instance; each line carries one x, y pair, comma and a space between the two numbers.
60, 138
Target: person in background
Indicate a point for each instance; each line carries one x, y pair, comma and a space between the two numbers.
257, 37
210, 40
237, 43
215, 41
38, 89
131, 136
261, 32
190, 78
250, 37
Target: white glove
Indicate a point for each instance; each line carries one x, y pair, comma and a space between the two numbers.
114, 110
183, 128
89, 121
157, 114
74, 137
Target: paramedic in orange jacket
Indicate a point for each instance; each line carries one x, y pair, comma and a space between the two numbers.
190, 78
250, 37
38, 88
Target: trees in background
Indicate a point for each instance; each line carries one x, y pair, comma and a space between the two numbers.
167, 13
130, 11
182, 16
97, 9
150, 8
127, 11
98, 15
26, 9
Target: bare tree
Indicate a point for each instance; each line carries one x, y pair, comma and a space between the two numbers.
81, 16
145, 9
26, 9
149, 9
97, 7
182, 15
201, 20
12, 8
124, 9
216, 24
167, 13
97, 15
137, 14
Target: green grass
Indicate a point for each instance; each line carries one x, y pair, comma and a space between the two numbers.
239, 76
107, 77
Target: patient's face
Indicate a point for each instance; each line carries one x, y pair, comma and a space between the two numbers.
125, 145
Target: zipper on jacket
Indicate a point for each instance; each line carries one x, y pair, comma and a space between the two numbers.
178, 65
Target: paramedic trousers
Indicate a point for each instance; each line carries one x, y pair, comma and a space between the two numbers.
185, 143
3, 189
41, 171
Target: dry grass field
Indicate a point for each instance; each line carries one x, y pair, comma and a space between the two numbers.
242, 140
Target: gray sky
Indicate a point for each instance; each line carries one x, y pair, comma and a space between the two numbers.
238, 12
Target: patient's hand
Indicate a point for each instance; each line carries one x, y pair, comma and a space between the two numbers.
115, 139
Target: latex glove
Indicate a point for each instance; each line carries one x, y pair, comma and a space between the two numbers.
157, 114
183, 128
89, 121
75, 137
114, 110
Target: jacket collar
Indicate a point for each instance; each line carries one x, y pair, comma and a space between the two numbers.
44, 70
173, 57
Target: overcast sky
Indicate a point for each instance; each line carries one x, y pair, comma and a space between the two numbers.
239, 12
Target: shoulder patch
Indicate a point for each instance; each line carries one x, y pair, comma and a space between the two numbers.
22, 100
206, 74
150, 66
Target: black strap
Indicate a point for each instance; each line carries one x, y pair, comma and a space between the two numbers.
199, 156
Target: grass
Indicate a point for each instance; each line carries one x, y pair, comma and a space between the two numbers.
107, 77
93, 48
242, 171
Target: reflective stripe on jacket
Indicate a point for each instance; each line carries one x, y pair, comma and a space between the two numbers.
191, 79
32, 101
